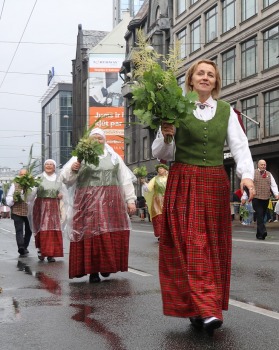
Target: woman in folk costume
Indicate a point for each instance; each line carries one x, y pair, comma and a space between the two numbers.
196, 239
46, 215
154, 193
100, 228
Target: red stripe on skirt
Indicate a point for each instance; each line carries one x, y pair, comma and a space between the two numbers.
196, 242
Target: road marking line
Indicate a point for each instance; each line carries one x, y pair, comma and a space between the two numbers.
251, 241
137, 272
143, 231
1, 228
254, 308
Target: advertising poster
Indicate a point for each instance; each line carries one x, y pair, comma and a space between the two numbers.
105, 98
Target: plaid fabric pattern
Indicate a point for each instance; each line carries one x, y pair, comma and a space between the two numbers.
107, 252
157, 224
46, 214
99, 210
195, 242
262, 185
19, 208
100, 216
47, 228
50, 243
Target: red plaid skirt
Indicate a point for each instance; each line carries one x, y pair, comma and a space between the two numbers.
50, 243
157, 223
196, 242
47, 227
107, 252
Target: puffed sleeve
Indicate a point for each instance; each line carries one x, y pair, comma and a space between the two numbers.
239, 147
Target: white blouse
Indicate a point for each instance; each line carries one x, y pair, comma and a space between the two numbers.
236, 140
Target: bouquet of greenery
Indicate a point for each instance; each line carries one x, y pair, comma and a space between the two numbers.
157, 97
26, 181
243, 212
140, 171
88, 149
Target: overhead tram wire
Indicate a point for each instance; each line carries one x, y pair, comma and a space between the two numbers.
4, 78
2, 9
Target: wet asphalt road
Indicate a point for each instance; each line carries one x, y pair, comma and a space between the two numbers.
40, 308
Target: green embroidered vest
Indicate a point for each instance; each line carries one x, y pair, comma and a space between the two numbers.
201, 142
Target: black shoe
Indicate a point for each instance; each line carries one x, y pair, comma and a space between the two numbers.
260, 237
41, 258
105, 274
26, 251
50, 259
212, 325
197, 322
21, 250
264, 235
94, 278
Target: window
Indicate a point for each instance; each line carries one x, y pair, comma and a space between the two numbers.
192, 2
145, 148
250, 108
181, 6
248, 9
271, 47
181, 83
211, 25
269, 2
271, 113
228, 13
195, 29
249, 58
181, 37
228, 65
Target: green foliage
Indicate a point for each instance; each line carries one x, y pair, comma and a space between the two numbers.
26, 183
140, 171
88, 150
157, 97
243, 212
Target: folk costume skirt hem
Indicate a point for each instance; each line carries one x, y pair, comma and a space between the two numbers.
50, 243
196, 242
106, 252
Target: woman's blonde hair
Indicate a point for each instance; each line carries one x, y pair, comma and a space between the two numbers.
189, 87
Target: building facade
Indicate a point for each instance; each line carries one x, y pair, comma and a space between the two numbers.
57, 124
120, 6
242, 37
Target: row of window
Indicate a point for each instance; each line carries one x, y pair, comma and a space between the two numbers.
249, 51
248, 9
270, 36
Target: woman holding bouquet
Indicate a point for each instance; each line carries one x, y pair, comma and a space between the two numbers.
46, 215
99, 225
154, 193
196, 239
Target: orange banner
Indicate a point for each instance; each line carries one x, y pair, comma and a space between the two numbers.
112, 123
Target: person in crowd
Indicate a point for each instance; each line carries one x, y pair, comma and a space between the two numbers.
46, 214
154, 193
265, 185
196, 236
100, 229
1, 194
15, 199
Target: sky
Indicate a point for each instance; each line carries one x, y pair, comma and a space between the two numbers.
36, 35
